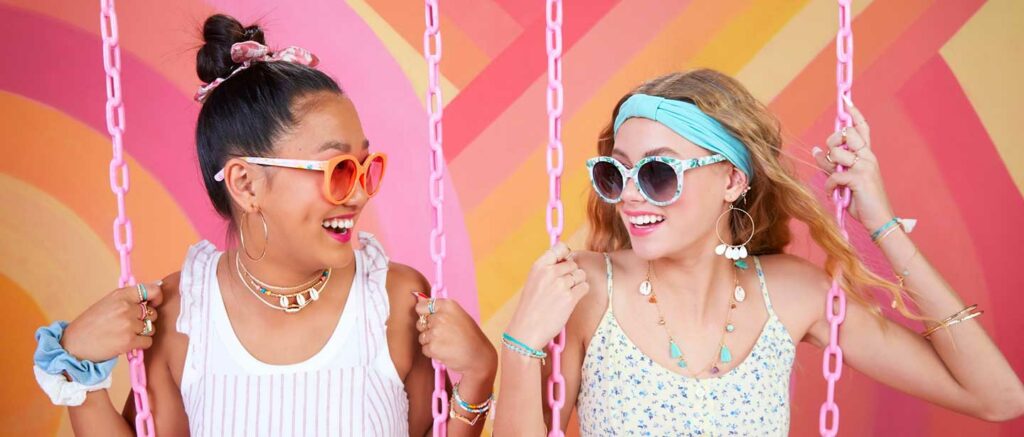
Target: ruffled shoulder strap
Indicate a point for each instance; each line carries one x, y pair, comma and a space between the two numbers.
201, 258
374, 264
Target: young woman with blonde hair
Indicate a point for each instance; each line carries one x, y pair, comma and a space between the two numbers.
683, 318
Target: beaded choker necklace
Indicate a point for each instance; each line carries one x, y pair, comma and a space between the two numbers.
289, 299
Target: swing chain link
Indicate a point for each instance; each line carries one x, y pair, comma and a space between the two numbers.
554, 211
438, 243
832, 359
119, 184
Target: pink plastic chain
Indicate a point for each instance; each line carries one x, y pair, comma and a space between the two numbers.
438, 245
555, 165
832, 361
119, 185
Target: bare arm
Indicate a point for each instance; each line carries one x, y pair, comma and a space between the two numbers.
97, 415
961, 369
523, 410
453, 338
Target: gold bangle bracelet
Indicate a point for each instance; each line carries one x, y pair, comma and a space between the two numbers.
452, 414
966, 318
959, 314
954, 321
946, 322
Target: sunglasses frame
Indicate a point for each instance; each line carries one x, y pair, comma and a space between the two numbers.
327, 167
679, 165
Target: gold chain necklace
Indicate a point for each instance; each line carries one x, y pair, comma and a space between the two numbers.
724, 354
293, 299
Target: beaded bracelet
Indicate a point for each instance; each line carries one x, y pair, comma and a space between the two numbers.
906, 223
521, 348
478, 409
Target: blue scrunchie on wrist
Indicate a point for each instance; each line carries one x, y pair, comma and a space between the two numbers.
51, 357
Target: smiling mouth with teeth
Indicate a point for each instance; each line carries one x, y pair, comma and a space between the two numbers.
641, 221
338, 226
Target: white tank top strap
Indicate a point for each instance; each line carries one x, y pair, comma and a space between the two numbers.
375, 275
376, 308
764, 287
192, 317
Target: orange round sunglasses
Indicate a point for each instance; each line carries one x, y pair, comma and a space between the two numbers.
341, 173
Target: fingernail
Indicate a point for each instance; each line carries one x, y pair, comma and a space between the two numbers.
420, 295
848, 100
815, 151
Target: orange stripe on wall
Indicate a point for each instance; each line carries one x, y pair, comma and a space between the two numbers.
69, 161
462, 58
20, 397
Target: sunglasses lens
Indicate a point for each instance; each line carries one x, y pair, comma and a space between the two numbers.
374, 174
607, 180
658, 180
342, 179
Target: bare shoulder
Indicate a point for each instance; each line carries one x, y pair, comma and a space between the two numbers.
594, 265
798, 289
402, 282
405, 279
171, 305
587, 315
169, 345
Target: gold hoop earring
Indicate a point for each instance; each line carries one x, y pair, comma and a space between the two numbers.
729, 251
266, 237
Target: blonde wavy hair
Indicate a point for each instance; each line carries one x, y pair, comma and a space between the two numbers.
776, 195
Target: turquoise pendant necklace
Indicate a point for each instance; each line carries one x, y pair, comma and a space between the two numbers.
724, 354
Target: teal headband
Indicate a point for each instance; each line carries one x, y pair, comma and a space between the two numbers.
687, 120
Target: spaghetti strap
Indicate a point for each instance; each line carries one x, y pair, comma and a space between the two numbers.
764, 286
608, 263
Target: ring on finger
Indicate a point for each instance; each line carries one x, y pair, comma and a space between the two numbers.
144, 311
430, 305
422, 320
828, 157
844, 135
147, 329
143, 293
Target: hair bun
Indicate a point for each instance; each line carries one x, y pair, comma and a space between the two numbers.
220, 32
253, 33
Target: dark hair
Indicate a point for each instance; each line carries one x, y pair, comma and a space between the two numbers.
245, 114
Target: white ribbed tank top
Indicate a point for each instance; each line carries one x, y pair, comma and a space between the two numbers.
348, 388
